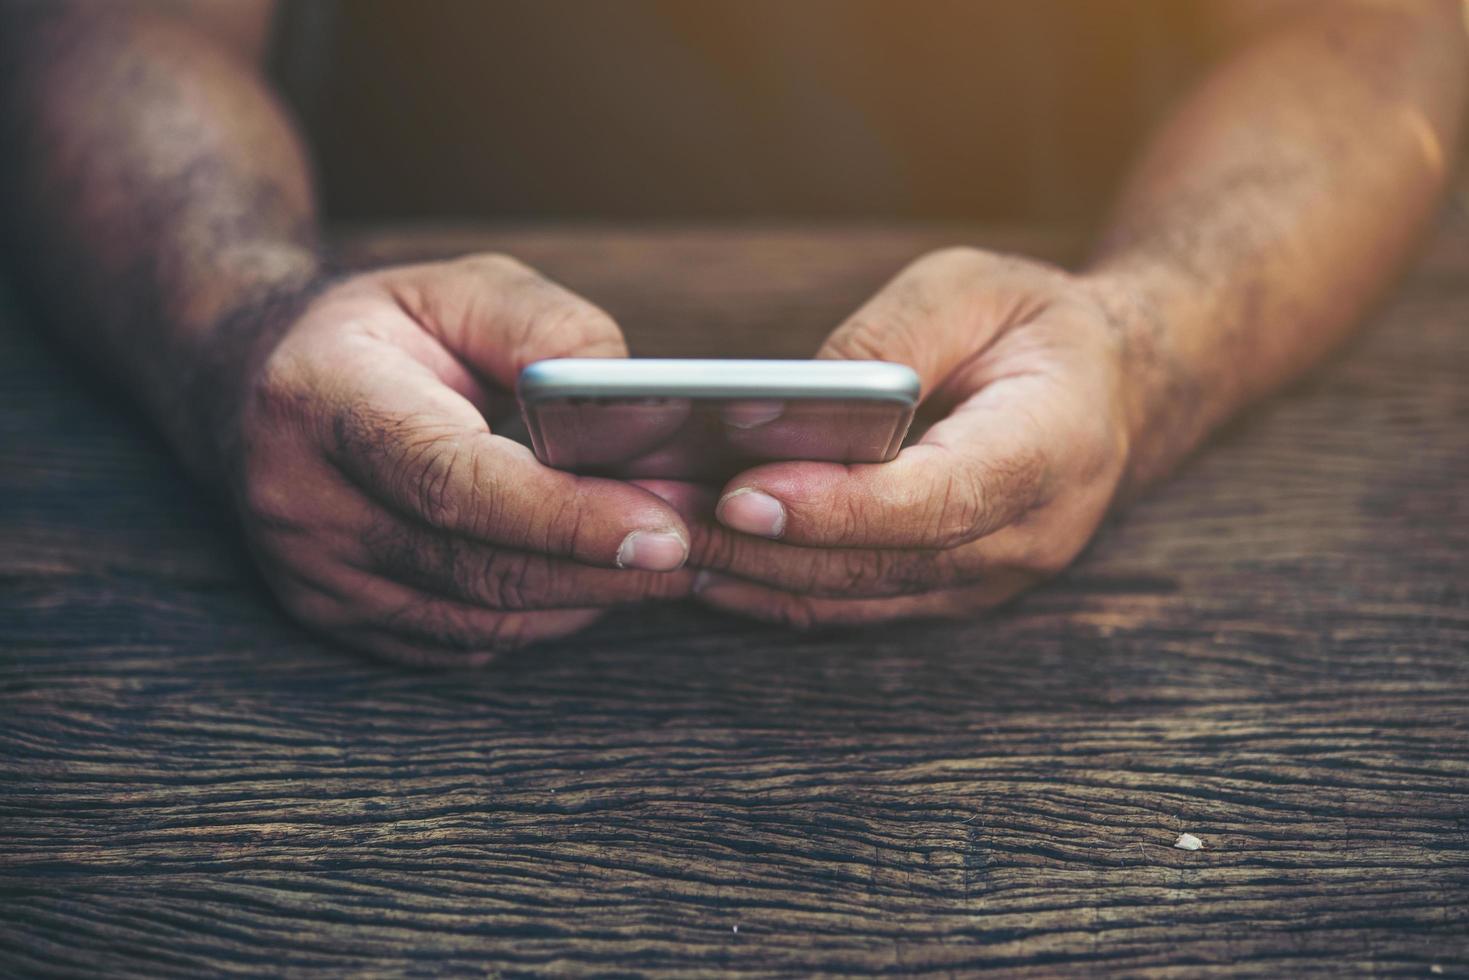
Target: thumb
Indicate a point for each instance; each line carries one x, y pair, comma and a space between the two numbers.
500, 315
930, 317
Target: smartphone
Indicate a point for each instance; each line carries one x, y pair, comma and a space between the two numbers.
709, 419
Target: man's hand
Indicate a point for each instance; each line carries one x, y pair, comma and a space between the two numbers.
1005, 490
385, 512
1263, 215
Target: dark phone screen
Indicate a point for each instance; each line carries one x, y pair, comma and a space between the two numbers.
710, 439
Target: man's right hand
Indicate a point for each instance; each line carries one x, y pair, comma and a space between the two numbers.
380, 506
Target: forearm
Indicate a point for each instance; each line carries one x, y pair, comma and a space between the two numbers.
1278, 200
161, 194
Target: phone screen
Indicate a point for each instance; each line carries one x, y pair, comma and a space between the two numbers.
709, 439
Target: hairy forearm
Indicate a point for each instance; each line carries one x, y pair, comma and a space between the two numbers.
163, 200
1272, 207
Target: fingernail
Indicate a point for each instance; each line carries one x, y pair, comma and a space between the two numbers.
753, 512
748, 414
653, 551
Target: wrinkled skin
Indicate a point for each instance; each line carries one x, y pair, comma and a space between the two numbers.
384, 511
386, 514
162, 198
1026, 369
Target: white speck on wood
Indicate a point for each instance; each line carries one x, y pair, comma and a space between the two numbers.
1188, 842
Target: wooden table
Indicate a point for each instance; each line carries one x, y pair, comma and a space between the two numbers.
1271, 652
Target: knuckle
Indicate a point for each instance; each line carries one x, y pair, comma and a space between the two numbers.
966, 264
574, 325
280, 390
1043, 554
457, 630
563, 323
872, 574
397, 550
661, 585
1049, 565
908, 574
896, 323
315, 609
797, 612
495, 265
953, 606
429, 467
509, 583
975, 499
429, 478
266, 498
713, 548
505, 633
1021, 477
634, 587
1052, 558
565, 529
845, 573
953, 258
959, 510
1105, 448
851, 521
864, 339
941, 272
498, 633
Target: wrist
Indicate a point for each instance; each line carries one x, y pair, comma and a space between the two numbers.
229, 334
1161, 403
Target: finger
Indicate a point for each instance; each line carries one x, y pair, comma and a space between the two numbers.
447, 565
501, 315
751, 413
470, 645
831, 572
970, 475
839, 572
422, 449
444, 633
606, 436
809, 612
812, 429
404, 625
692, 501
866, 572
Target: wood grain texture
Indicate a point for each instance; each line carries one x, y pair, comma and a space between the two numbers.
1270, 652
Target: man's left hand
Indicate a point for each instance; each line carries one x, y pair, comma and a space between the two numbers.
1026, 369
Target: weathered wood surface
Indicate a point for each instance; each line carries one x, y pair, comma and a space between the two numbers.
1271, 652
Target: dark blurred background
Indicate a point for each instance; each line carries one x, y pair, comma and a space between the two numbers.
683, 109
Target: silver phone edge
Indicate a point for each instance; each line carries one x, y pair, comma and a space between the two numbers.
548, 380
